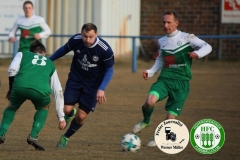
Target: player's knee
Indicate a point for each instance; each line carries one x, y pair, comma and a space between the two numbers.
170, 116
80, 119
148, 105
67, 109
150, 101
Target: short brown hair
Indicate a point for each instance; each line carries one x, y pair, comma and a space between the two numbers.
27, 2
89, 27
37, 47
171, 13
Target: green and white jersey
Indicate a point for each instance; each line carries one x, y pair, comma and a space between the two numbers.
39, 73
35, 72
173, 59
29, 27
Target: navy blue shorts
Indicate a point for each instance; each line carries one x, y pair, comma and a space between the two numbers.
81, 94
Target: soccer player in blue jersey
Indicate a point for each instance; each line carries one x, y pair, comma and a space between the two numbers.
91, 71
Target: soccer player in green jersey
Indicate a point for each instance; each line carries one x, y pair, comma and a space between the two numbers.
32, 76
177, 49
31, 26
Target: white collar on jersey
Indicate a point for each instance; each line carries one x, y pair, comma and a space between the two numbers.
29, 17
173, 33
94, 44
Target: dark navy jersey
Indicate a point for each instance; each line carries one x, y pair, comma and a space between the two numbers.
89, 63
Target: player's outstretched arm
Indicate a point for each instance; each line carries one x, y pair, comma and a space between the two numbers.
59, 53
158, 64
62, 124
201, 48
13, 70
107, 78
58, 96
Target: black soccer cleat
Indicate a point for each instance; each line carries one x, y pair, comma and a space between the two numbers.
34, 142
2, 139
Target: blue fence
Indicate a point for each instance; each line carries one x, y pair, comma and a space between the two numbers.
134, 46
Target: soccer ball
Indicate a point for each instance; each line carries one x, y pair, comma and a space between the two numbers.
131, 142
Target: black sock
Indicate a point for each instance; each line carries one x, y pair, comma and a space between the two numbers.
71, 113
74, 126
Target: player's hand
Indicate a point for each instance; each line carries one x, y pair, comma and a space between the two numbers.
62, 124
12, 39
8, 95
145, 75
101, 97
37, 36
193, 55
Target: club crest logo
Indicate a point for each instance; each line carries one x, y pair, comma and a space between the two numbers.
95, 58
207, 136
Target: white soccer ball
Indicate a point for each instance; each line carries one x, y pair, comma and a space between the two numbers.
131, 142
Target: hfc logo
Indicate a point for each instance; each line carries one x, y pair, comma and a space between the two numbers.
207, 136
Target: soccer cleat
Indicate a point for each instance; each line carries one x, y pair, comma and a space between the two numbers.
139, 127
2, 139
34, 142
152, 142
69, 119
63, 142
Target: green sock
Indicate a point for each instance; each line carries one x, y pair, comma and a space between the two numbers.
8, 117
147, 114
39, 120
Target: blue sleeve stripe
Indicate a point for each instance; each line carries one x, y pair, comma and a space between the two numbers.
59, 53
107, 78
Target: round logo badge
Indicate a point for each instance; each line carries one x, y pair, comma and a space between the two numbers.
207, 136
171, 136
179, 43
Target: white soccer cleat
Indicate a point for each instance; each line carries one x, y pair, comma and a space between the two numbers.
139, 127
152, 142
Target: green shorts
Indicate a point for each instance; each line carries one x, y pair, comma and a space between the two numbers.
20, 95
176, 91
